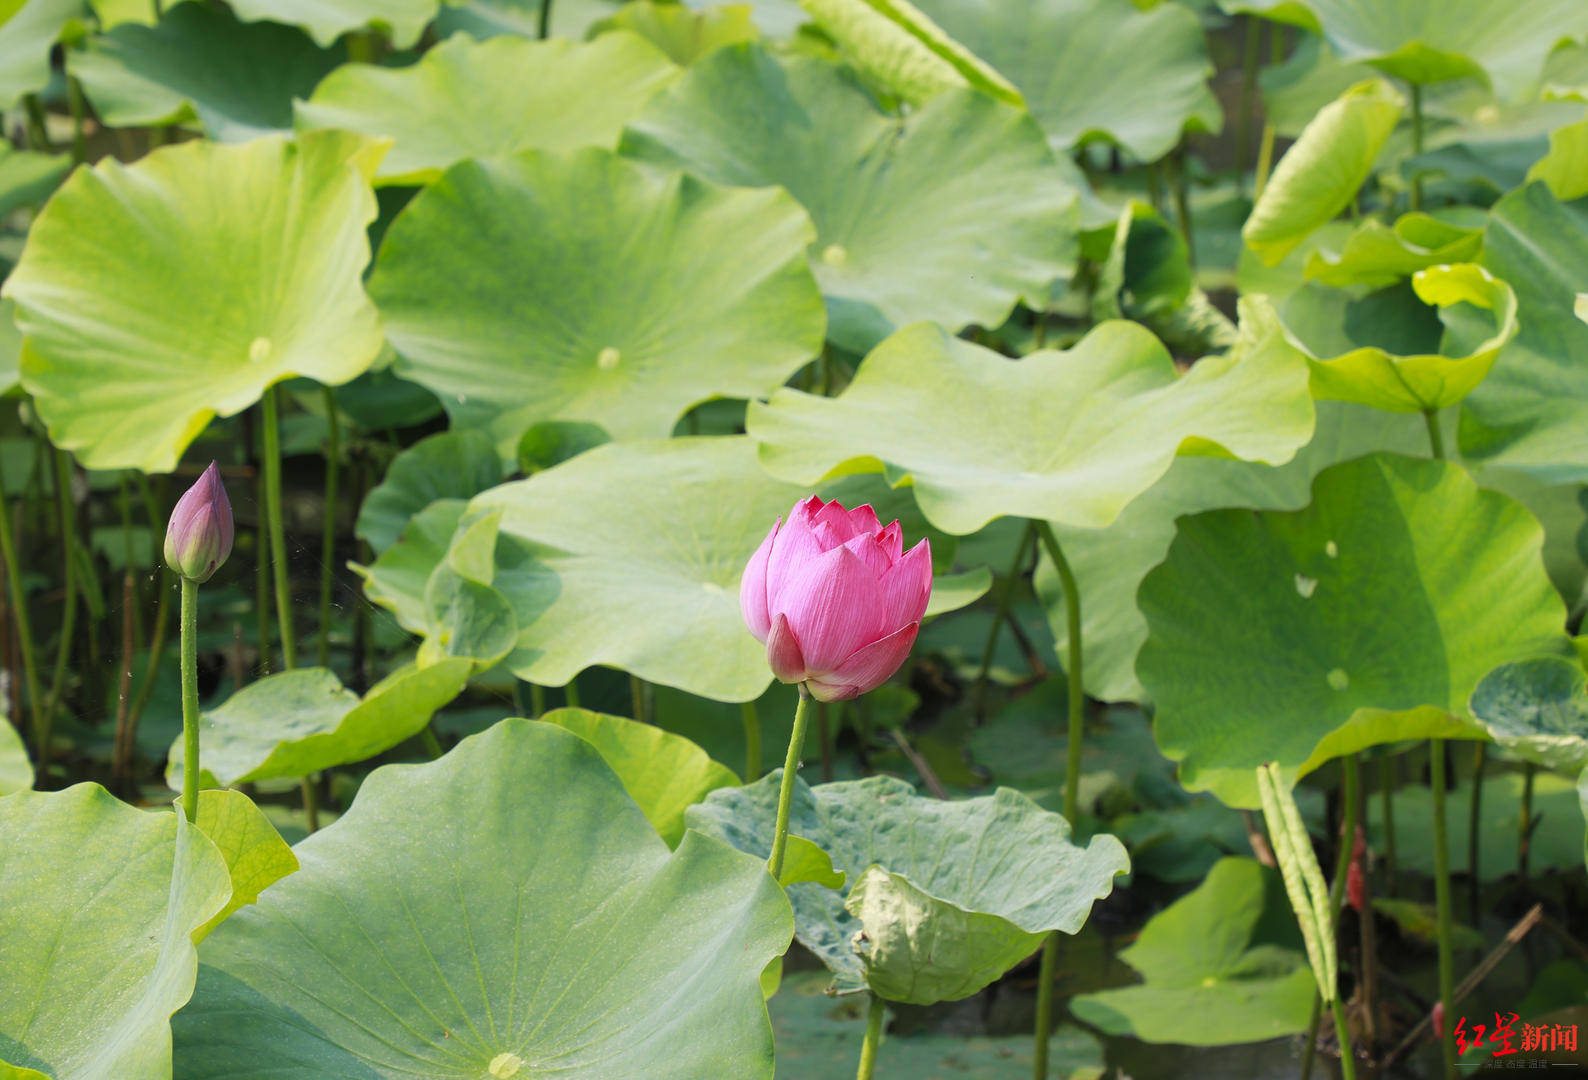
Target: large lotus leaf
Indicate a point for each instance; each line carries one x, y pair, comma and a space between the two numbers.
238, 78
1094, 68
1220, 965
1388, 378
1257, 651
157, 295
683, 34
398, 578
944, 896
1531, 412
904, 50
1377, 255
1001, 208
16, 771
28, 31
449, 465
571, 286
819, 1037
658, 597
1426, 41
468, 99
1110, 563
662, 772
1565, 168
298, 722
505, 911
98, 906
403, 21
1322, 171
255, 854
1070, 436
1556, 842
1147, 276
1538, 710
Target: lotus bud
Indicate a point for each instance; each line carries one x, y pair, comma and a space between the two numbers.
199, 537
835, 598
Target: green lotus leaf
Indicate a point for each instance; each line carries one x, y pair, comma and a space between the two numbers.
1312, 76
1538, 710
1370, 374
803, 861
1321, 173
398, 578
1531, 413
1377, 255
1556, 842
1147, 277
1110, 563
298, 722
776, 18
979, 170
529, 921
1221, 965
157, 295
662, 772
16, 771
455, 465
819, 1037
1427, 41
684, 35
570, 286
918, 406
924, 920
99, 903
469, 99
403, 21
238, 79
552, 442
28, 178
1132, 74
1565, 168
1256, 652
256, 855
902, 48
28, 31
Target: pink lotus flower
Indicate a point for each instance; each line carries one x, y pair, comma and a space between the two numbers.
836, 598
199, 536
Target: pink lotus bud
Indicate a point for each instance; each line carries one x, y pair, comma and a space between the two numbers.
199, 537
836, 598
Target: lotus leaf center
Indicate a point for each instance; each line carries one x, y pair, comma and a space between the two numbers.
608, 358
834, 255
1338, 679
259, 350
505, 1066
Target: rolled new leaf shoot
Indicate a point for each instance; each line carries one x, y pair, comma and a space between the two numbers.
1304, 884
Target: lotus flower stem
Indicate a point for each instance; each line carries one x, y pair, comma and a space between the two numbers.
190, 709
537, 700
1436, 769
1047, 970
1480, 754
278, 536
74, 103
1243, 119
785, 795
1386, 792
570, 694
1182, 202
328, 533
543, 31
1350, 783
63, 492
19, 608
637, 696
752, 742
1006, 597
1436, 441
1525, 824
868, 1049
1417, 144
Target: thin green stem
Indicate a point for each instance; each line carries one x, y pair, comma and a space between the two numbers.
537, 700
637, 697
785, 796
1006, 596
1182, 203
162, 620
278, 536
1525, 824
1436, 441
1072, 768
311, 805
1386, 794
190, 706
1417, 145
1047, 971
19, 609
38, 134
74, 102
1343, 1033
570, 694
868, 1049
752, 742
1073, 672
63, 493
1480, 755
333, 453
1265, 160
1350, 783
544, 29
1436, 768
1248, 108
428, 740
